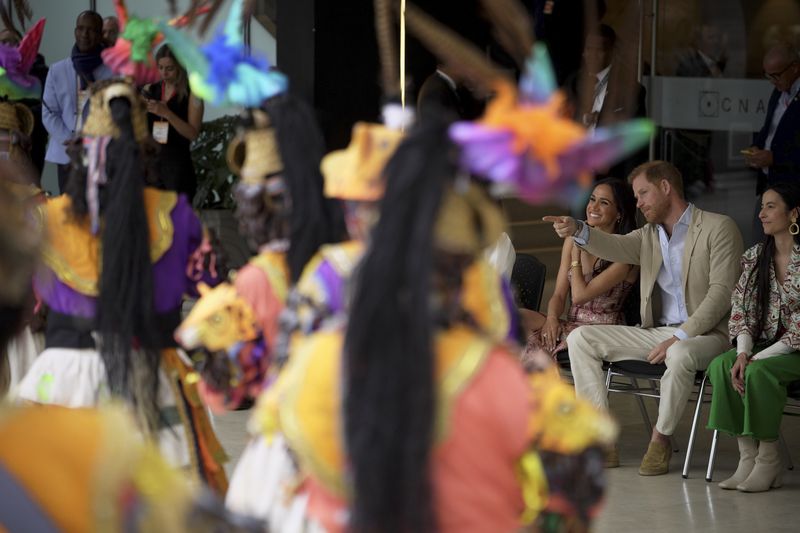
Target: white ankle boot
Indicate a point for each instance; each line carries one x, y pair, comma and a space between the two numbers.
747, 460
768, 471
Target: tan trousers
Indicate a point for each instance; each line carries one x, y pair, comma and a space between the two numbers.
589, 346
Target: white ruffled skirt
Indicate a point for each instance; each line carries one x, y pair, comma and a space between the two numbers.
77, 378
262, 485
22, 351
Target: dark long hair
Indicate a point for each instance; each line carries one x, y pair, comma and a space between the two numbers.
390, 399
625, 202
315, 220
125, 307
790, 194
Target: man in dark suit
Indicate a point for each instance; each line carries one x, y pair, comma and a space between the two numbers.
608, 93
776, 148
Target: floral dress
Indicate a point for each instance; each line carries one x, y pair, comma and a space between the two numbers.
604, 309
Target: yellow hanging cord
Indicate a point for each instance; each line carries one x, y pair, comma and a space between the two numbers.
403, 54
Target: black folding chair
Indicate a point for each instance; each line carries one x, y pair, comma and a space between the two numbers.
527, 280
634, 371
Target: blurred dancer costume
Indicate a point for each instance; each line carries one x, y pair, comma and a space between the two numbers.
319, 297
19, 90
19, 253
96, 476
356, 176
118, 260
280, 208
16, 84
283, 214
65, 469
397, 421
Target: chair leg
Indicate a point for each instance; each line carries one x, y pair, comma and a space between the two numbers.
712, 456
608, 380
643, 410
693, 433
786, 452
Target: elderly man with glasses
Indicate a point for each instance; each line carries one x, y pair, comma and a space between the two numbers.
776, 148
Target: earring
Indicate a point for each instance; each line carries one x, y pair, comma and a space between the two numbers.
794, 229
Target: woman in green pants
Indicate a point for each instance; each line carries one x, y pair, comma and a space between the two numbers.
750, 380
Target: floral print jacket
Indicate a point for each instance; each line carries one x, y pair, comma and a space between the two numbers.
782, 321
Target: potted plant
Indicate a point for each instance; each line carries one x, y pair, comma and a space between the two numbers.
214, 198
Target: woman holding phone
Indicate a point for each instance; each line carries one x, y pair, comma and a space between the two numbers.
175, 117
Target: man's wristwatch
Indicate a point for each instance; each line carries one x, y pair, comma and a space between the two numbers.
581, 224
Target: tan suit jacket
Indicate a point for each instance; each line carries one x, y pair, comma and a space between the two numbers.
711, 258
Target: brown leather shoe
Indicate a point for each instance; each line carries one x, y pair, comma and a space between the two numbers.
656, 460
611, 457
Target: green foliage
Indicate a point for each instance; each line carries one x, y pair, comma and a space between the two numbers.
214, 180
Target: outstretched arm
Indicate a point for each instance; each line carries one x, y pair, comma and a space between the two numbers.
615, 248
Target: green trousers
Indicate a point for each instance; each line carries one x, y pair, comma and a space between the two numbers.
759, 412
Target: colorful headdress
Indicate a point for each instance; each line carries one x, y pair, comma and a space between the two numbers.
521, 140
15, 65
223, 71
132, 54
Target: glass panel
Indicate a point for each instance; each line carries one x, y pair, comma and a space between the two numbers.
709, 94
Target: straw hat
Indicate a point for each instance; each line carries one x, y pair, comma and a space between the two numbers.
356, 173
99, 122
16, 117
468, 221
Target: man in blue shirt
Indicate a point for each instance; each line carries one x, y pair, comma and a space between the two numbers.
66, 90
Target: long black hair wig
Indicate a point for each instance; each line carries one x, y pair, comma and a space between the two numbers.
313, 220
390, 398
790, 194
125, 306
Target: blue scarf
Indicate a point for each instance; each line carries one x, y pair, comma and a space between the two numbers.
85, 63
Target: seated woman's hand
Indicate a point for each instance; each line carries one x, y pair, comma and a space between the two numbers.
551, 333
737, 372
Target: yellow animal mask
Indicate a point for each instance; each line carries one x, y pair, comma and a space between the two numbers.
219, 320
561, 422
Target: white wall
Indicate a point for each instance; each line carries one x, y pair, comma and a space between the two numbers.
58, 39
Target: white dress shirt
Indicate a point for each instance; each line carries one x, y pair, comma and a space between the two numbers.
673, 310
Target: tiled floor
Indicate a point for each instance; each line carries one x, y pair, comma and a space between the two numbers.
670, 503
665, 503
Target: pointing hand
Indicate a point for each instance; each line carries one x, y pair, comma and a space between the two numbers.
563, 225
